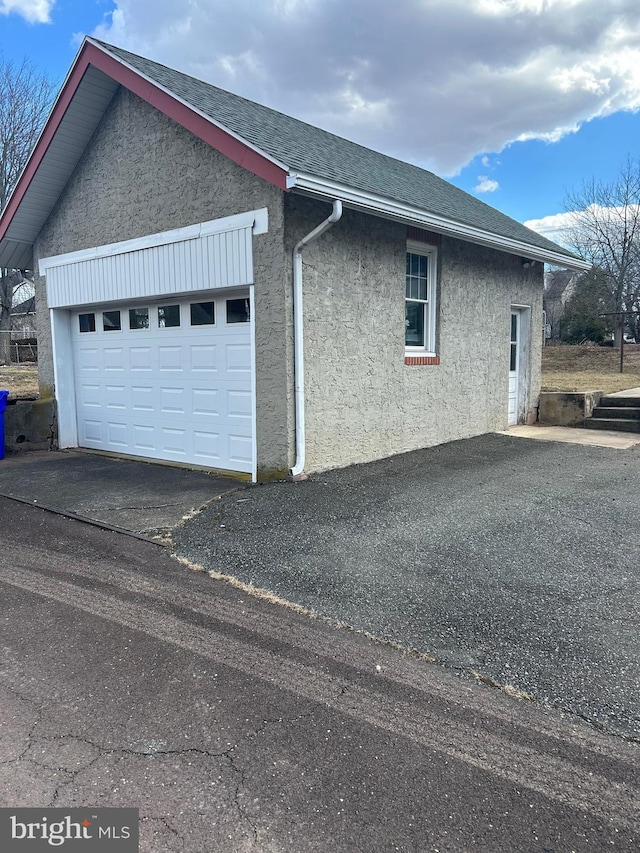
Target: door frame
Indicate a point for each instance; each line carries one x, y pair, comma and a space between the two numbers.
523, 360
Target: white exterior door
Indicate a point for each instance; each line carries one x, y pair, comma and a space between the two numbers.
514, 366
169, 380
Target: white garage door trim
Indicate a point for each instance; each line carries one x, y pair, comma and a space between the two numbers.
206, 256
84, 279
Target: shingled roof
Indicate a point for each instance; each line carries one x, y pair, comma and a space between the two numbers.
309, 159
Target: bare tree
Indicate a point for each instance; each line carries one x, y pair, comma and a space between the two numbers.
605, 230
25, 98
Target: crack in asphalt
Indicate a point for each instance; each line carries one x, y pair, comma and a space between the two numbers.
29, 735
108, 752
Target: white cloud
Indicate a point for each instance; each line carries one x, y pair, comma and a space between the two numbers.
556, 227
436, 82
33, 11
486, 185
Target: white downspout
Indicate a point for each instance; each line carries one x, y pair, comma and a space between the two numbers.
298, 342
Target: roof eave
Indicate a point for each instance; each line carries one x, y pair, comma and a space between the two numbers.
389, 209
219, 137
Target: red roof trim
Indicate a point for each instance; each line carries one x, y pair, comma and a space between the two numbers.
201, 127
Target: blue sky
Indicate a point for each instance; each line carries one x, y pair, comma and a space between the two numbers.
515, 101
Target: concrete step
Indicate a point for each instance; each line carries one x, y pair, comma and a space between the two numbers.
627, 413
614, 424
620, 402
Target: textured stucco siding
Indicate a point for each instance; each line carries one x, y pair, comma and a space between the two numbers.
362, 401
142, 174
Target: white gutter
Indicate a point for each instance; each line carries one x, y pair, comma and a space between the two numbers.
390, 209
298, 330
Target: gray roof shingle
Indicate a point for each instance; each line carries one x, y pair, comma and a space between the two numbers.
308, 149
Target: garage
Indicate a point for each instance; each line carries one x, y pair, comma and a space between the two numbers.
169, 381
165, 371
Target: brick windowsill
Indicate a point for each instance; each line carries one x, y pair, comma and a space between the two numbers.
422, 359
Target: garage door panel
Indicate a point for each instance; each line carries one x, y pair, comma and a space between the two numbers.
175, 392
143, 398
205, 402
91, 431
240, 449
239, 404
203, 357
144, 438
172, 401
238, 358
141, 359
90, 395
117, 435
206, 447
173, 441
170, 359
90, 360
117, 397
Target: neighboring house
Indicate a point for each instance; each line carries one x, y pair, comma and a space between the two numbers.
198, 315
559, 287
23, 309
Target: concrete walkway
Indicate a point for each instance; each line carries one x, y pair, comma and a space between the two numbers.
630, 392
136, 496
575, 435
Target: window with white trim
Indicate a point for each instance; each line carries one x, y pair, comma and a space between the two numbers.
420, 299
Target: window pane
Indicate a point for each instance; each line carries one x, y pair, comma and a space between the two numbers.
414, 323
514, 327
168, 316
138, 318
111, 321
238, 311
87, 322
202, 314
416, 284
514, 357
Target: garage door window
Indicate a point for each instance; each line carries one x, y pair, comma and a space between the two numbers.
168, 316
202, 314
238, 311
111, 321
138, 318
87, 322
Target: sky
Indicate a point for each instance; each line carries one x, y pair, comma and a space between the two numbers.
515, 101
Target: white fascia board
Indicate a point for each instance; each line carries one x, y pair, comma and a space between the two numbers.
189, 105
390, 209
258, 220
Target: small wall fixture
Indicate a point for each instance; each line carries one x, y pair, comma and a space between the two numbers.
527, 263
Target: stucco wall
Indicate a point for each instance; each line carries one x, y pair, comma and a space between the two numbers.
362, 401
141, 174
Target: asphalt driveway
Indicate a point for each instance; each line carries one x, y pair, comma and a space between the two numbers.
511, 558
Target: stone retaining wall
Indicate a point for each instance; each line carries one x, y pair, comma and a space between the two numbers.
29, 425
567, 408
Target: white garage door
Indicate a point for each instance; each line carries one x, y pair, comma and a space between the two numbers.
168, 380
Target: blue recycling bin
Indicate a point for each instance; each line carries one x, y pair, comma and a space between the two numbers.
4, 396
